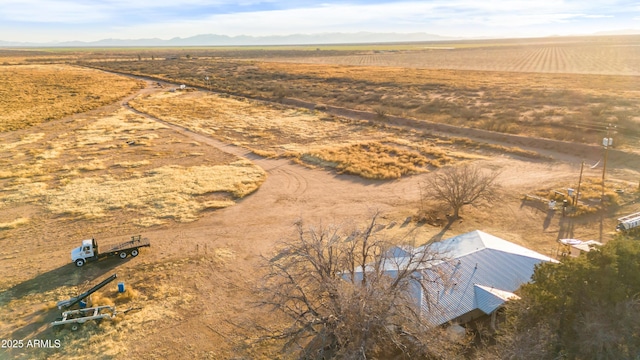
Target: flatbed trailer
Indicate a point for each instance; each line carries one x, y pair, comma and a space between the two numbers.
89, 251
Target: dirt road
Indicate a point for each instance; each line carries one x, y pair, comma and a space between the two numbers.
292, 192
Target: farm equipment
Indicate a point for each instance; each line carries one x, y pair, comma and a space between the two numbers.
75, 318
89, 250
628, 222
74, 300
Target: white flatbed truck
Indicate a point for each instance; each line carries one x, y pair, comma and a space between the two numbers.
89, 250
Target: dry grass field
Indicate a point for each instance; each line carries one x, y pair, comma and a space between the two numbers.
107, 173
111, 164
216, 180
31, 94
565, 90
310, 137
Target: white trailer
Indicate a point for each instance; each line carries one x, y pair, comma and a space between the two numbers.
628, 222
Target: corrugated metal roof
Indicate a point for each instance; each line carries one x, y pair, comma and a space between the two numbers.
477, 261
489, 299
471, 271
477, 240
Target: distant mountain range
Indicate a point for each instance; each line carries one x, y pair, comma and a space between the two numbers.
244, 40
619, 32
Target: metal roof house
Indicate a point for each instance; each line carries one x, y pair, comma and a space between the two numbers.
474, 275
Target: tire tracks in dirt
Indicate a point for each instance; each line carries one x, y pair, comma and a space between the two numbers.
294, 191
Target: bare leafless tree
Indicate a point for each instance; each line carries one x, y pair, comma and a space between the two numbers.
346, 297
461, 185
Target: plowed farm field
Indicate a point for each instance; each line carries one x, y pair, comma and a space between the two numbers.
586, 58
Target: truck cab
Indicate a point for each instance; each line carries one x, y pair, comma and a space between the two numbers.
87, 251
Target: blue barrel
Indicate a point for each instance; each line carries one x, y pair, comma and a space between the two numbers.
83, 304
120, 287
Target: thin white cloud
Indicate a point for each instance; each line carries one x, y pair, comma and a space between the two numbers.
83, 11
51, 11
446, 17
399, 16
597, 16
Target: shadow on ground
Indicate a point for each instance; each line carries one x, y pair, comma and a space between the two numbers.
67, 275
35, 318
440, 235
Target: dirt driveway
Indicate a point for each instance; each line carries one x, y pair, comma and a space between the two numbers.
294, 192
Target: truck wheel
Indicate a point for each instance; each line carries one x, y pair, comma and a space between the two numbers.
79, 262
134, 252
123, 255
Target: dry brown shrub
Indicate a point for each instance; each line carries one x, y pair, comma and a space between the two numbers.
370, 160
13, 224
127, 296
100, 299
265, 153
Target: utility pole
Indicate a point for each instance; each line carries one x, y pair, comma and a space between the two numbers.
577, 197
606, 142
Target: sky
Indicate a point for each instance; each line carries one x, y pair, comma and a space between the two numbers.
91, 20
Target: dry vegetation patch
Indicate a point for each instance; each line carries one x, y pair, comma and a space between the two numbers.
310, 137
566, 104
168, 192
31, 94
375, 160
120, 163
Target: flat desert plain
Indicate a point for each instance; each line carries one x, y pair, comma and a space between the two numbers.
215, 181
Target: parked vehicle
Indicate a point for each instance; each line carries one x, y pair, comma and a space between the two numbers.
628, 222
89, 250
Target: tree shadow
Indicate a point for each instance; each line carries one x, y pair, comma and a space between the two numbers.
547, 220
67, 275
440, 235
566, 228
